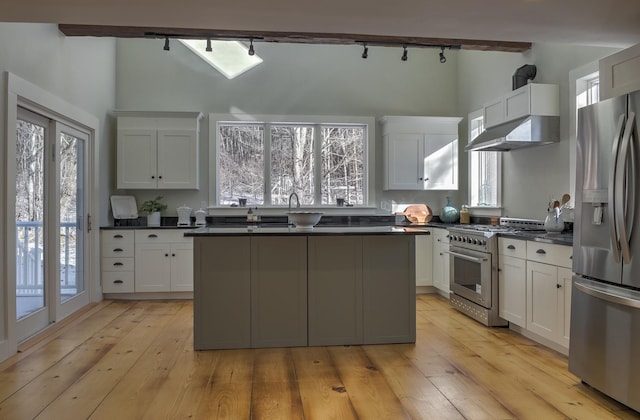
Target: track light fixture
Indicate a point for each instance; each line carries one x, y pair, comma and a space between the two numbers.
443, 59
166, 43
365, 51
208, 49
405, 55
251, 50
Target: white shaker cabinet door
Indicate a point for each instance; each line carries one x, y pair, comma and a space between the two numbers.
177, 159
137, 151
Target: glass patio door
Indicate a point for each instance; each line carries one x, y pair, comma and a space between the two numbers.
50, 225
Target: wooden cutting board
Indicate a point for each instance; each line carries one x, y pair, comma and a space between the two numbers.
418, 213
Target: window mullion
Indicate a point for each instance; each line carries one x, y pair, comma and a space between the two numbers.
267, 164
317, 164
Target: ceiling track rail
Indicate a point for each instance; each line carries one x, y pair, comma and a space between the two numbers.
292, 37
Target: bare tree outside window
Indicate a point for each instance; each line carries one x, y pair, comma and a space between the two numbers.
293, 163
343, 164
241, 163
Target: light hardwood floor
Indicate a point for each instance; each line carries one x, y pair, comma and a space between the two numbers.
134, 360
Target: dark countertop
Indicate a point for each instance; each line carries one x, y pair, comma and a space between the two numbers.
316, 231
564, 238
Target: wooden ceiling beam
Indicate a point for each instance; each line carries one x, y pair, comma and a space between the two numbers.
291, 37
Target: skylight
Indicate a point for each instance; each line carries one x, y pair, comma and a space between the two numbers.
230, 58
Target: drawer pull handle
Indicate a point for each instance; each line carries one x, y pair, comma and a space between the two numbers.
511, 247
117, 264
118, 282
118, 236
117, 250
540, 251
153, 235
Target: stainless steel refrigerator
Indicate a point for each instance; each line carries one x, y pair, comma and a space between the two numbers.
604, 349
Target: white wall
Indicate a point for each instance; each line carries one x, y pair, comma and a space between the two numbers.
530, 176
294, 79
80, 71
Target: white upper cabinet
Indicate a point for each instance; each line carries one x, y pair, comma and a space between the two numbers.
158, 150
420, 153
530, 99
620, 73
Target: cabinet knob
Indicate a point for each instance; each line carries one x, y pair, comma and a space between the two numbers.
166, 255
558, 286
159, 176
419, 179
499, 270
173, 255
153, 177
540, 251
511, 247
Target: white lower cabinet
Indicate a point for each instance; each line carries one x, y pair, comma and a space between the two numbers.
163, 261
535, 287
424, 259
117, 261
441, 260
549, 291
512, 280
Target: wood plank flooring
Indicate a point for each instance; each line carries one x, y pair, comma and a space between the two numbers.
135, 360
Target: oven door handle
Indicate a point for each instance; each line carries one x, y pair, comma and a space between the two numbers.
466, 257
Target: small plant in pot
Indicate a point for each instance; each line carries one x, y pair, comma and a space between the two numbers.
153, 209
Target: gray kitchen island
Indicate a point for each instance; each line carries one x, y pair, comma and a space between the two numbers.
287, 287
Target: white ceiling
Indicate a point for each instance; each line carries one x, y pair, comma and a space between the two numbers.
613, 23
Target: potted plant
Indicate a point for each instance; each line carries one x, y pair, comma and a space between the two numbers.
153, 209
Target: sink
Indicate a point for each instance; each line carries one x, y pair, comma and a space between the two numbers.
304, 219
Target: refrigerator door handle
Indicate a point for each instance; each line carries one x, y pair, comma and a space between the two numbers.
613, 225
625, 184
609, 297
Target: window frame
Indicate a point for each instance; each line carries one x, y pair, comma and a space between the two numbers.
316, 120
496, 209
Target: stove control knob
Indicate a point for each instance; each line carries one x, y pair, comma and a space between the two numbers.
474, 241
482, 242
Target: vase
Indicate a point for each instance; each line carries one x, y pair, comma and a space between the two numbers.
449, 213
153, 219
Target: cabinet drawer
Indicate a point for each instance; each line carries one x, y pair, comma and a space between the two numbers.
152, 236
559, 255
117, 250
512, 247
116, 282
117, 236
118, 264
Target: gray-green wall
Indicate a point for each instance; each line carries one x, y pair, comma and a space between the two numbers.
335, 80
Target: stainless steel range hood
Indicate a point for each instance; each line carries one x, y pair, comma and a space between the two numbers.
533, 130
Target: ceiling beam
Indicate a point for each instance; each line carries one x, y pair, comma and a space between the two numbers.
291, 37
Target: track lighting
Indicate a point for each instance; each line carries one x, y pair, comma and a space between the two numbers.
365, 51
443, 59
166, 44
251, 50
208, 49
404, 54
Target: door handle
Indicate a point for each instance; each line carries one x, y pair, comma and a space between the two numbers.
465, 257
613, 223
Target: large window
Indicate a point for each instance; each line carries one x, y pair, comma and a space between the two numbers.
484, 170
264, 162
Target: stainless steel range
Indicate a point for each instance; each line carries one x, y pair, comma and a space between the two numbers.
473, 252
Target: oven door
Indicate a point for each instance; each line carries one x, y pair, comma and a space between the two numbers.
470, 275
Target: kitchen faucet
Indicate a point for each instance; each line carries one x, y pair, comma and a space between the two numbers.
293, 194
